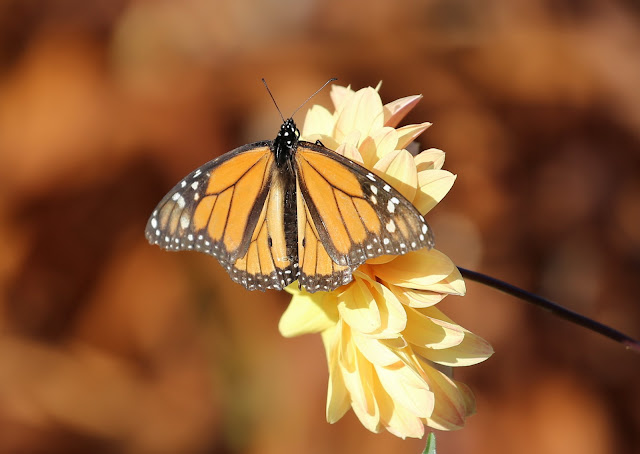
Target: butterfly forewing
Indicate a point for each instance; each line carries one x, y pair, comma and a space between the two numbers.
357, 215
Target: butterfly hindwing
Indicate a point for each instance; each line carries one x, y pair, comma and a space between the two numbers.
357, 215
317, 270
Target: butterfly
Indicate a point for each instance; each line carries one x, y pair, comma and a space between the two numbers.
277, 211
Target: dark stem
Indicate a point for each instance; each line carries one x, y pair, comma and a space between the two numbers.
554, 308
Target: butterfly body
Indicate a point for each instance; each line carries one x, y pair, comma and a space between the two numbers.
274, 212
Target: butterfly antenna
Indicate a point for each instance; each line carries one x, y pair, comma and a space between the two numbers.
272, 98
317, 91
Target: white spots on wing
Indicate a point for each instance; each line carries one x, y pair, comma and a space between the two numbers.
194, 185
185, 220
421, 237
374, 200
157, 232
181, 202
197, 173
190, 237
176, 196
183, 184
196, 196
154, 223
374, 189
424, 228
386, 241
391, 207
391, 226
395, 200
386, 187
413, 244
371, 177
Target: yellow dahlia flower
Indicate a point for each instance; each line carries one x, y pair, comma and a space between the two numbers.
388, 348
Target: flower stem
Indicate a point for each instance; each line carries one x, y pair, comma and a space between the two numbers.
554, 308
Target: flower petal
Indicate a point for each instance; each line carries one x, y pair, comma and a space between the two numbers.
340, 96
396, 110
349, 151
416, 298
358, 308
393, 318
430, 159
407, 389
318, 121
308, 313
433, 186
376, 351
450, 407
358, 375
472, 350
399, 170
386, 140
418, 269
359, 114
338, 401
427, 332
453, 284
409, 133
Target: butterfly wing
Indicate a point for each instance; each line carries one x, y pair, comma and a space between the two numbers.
350, 216
226, 209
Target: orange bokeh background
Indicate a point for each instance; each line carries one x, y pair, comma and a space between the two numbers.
110, 345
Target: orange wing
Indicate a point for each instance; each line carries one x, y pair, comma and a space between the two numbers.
352, 215
229, 208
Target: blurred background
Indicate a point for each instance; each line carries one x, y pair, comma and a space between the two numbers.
110, 345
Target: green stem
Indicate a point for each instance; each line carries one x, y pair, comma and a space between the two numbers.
554, 308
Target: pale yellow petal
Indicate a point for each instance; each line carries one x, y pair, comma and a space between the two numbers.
472, 350
398, 169
416, 298
353, 138
431, 159
393, 318
418, 269
318, 121
359, 114
428, 332
308, 313
386, 141
340, 96
327, 141
403, 424
450, 408
407, 389
376, 351
358, 308
338, 400
453, 284
433, 186
368, 150
358, 375
349, 151
396, 110
409, 133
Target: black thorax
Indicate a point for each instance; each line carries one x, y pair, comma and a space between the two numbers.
285, 144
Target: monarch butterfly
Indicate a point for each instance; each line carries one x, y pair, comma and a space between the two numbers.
281, 210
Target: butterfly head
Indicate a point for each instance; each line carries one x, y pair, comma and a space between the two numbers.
286, 142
